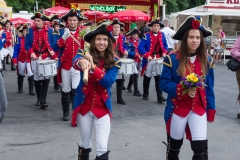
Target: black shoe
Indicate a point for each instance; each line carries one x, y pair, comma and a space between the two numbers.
238, 116
43, 105
65, 116
145, 98
31, 93
161, 99
13, 68
38, 103
121, 102
20, 90
138, 94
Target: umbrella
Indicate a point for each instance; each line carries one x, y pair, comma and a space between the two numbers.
18, 20
130, 15
91, 15
59, 10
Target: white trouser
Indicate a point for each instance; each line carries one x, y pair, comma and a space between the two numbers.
10, 50
151, 69
35, 71
135, 68
70, 79
102, 128
22, 67
196, 123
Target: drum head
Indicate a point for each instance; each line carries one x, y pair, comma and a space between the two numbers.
126, 60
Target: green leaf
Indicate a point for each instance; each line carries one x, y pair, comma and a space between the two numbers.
184, 91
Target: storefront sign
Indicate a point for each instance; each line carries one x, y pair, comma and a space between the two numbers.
110, 9
232, 1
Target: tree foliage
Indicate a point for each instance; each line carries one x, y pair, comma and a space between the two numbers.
175, 5
27, 5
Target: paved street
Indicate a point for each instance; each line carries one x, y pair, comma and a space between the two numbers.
138, 129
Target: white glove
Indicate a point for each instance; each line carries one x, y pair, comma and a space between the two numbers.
66, 34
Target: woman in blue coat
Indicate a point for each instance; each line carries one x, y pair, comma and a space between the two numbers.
191, 111
93, 104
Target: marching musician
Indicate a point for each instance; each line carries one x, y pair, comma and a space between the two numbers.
37, 44
68, 44
57, 31
21, 59
93, 104
189, 113
9, 42
121, 52
132, 46
152, 47
2, 41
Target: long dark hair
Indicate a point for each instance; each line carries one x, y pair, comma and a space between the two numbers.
108, 55
184, 53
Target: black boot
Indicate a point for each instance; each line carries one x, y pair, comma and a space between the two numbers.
31, 86
43, 94
173, 148
73, 92
123, 87
129, 87
1, 72
7, 60
160, 98
119, 91
20, 83
4, 64
56, 86
65, 99
13, 68
83, 154
146, 84
135, 85
103, 157
38, 86
200, 149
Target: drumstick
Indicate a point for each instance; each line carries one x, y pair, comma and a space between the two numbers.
85, 76
75, 40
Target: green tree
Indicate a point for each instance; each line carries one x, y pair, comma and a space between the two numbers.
195, 3
19, 5
175, 5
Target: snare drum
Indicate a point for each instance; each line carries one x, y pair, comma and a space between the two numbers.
159, 66
127, 66
46, 68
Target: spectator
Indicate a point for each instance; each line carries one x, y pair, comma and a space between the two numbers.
208, 42
222, 46
216, 54
3, 99
172, 44
144, 29
235, 53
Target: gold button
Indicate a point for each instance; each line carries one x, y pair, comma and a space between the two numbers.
106, 95
178, 89
105, 90
173, 99
178, 93
84, 88
98, 79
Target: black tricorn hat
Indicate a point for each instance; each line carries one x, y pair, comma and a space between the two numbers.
100, 22
7, 21
132, 31
156, 21
41, 16
103, 28
22, 27
191, 22
122, 29
55, 17
116, 21
90, 23
73, 12
57, 22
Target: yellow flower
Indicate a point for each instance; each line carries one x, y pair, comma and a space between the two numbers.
194, 79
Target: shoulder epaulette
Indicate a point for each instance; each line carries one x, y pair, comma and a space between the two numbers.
127, 43
167, 61
212, 64
118, 62
80, 52
144, 37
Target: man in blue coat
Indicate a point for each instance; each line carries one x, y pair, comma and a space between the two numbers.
153, 46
